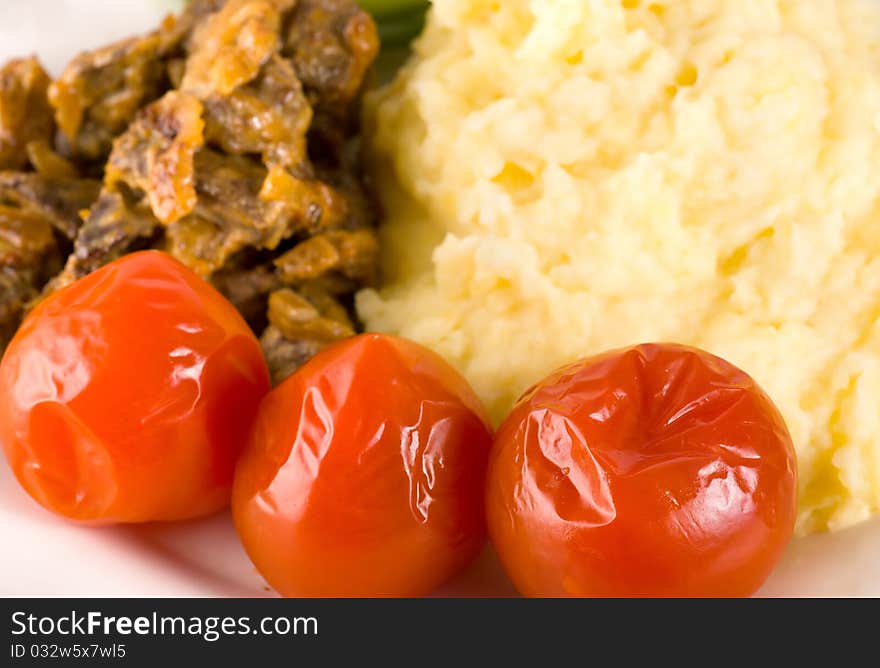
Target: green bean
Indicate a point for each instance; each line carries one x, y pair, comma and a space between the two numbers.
401, 30
387, 8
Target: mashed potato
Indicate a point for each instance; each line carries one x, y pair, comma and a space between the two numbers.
566, 176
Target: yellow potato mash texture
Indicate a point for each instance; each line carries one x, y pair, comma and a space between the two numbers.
561, 177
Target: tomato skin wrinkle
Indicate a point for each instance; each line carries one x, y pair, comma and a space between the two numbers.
658, 470
364, 474
128, 395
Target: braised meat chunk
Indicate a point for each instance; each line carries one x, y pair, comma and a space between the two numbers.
301, 323
229, 215
39, 217
229, 47
226, 138
16, 290
176, 32
28, 256
27, 242
25, 114
268, 116
47, 162
35, 217
311, 316
99, 93
351, 254
332, 44
247, 283
312, 204
118, 223
285, 355
156, 155
58, 201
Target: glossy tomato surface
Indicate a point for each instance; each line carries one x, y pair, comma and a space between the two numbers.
658, 470
127, 396
365, 474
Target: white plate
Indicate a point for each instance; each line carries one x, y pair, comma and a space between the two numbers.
46, 556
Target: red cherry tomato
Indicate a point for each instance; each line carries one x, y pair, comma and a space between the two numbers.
659, 470
365, 474
127, 396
